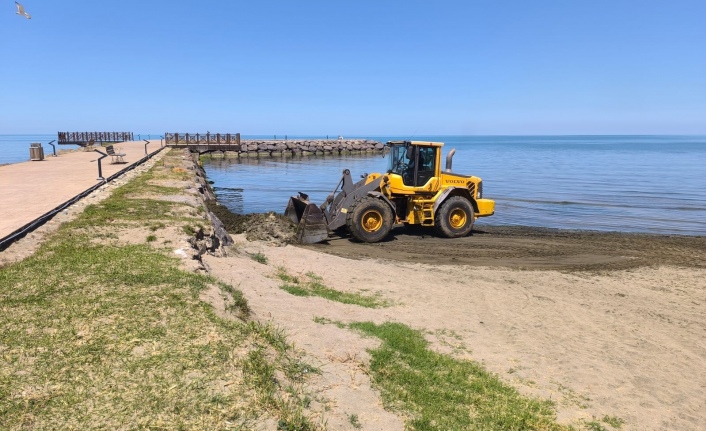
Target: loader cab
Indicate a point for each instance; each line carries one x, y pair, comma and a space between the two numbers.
416, 162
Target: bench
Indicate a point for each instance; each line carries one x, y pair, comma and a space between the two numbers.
115, 157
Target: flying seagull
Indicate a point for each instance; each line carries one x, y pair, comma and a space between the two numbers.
21, 11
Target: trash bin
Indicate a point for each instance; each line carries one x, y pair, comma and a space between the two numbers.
36, 152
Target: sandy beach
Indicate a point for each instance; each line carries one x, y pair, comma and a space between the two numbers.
550, 156
575, 328
604, 324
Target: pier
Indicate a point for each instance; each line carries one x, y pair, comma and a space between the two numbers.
82, 138
230, 145
33, 192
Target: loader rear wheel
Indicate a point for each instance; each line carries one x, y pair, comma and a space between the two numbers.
455, 217
369, 219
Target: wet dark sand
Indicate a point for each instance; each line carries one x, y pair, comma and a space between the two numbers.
528, 248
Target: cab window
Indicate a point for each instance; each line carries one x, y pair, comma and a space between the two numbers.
416, 165
398, 163
427, 159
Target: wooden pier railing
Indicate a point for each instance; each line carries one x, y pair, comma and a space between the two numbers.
79, 138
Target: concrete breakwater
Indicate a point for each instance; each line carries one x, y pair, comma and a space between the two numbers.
291, 148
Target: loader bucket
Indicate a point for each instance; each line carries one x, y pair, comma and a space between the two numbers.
310, 220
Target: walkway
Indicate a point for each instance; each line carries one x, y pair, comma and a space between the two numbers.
31, 189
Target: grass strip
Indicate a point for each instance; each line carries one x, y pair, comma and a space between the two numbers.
312, 285
438, 392
112, 335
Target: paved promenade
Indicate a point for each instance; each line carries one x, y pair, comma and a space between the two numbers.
30, 189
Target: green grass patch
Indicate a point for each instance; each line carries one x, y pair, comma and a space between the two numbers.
157, 226
259, 258
189, 230
614, 421
325, 321
354, 421
237, 303
438, 392
312, 285
594, 425
96, 336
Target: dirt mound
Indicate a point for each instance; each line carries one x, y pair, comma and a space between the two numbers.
269, 227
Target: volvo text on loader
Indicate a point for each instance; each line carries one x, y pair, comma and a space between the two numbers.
414, 191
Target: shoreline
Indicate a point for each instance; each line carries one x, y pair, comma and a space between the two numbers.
594, 322
530, 249
520, 247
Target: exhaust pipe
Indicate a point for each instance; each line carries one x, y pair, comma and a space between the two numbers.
449, 158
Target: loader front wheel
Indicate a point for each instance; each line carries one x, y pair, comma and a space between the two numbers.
455, 217
369, 219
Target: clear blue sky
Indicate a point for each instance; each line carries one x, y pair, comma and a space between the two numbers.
366, 67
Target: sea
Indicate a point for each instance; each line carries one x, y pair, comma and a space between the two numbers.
646, 184
15, 148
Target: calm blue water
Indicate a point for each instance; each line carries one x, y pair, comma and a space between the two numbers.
653, 184
15, 148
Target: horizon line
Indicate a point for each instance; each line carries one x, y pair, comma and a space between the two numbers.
358, 135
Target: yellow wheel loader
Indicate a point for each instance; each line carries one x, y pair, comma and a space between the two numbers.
414, 191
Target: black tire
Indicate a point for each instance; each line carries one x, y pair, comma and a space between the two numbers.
455, 217
369, 219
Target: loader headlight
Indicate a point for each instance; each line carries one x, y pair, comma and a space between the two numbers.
480, 189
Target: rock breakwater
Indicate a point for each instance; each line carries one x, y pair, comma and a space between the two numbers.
290, 148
